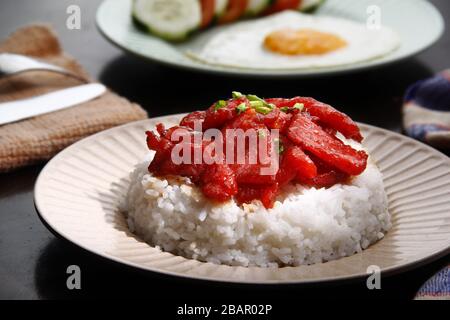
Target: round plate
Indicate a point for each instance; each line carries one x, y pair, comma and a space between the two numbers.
78, 193
114, 21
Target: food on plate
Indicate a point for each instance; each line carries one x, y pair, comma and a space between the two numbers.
303, 42
259, 182
310, 5
169, 19
292, 40
256, 7
220, 6
208, 12
301, 5
175, 20
234, 10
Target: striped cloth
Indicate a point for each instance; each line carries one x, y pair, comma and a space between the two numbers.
437, 288
426, 111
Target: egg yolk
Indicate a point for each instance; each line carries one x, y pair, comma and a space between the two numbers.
303, 42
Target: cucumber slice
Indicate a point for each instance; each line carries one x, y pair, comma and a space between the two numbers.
172, 20
221, 5
255, 7
310, 5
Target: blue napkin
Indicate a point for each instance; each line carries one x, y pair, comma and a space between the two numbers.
438, 287
426, 111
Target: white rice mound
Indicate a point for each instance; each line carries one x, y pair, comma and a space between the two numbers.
306, 225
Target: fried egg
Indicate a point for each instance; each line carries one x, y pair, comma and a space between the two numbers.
292, 40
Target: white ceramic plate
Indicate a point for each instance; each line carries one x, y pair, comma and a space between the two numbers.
417, 22
78, 192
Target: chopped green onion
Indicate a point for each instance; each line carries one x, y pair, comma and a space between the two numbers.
236, 94
257, 104
252, 97
260, 107
241, 108
220, 104
263, 110
299, 106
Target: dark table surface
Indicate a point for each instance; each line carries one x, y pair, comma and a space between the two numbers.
33, 261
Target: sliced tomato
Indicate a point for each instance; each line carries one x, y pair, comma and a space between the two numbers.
280, 5
235, 9
208, 8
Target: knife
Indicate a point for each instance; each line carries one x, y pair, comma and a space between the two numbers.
61, 99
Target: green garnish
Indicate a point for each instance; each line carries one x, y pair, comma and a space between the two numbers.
260, 105
263, 110
236, 94
241, 108
257, 104
253, 97
220, 104
299, 106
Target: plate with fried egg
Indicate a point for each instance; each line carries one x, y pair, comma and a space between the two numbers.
271, 37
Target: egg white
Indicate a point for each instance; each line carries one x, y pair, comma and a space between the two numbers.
242, 45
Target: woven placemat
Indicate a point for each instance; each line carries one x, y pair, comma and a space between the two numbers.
37, 139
